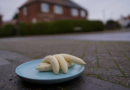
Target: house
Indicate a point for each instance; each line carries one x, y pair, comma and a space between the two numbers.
125, 22
0, 20
46, 10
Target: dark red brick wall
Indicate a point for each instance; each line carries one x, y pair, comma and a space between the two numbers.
34, 11
0, 20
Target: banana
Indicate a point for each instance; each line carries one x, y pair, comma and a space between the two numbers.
44, 67
69, 64
47, 67
62, 63
44, 64
54, 63
59, 61
73, 59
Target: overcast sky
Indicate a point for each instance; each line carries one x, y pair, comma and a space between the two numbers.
97, 9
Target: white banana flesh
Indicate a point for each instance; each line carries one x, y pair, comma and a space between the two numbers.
62, 63
54, 63
59, 61
73, 59
44, 67
47, 67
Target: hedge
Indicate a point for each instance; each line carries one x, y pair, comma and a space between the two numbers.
7, 30
67, 26
33, 29
61, 26
53, 27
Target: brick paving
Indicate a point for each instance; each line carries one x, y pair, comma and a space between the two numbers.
105, 60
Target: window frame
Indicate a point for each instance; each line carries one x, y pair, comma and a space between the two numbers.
25, 11
43, 5
56, 11
82, 13
74, 12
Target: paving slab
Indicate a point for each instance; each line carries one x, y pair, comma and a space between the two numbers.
108, 64
103, 71
4, 61
118, 80
9, 57
125, 66
91, 61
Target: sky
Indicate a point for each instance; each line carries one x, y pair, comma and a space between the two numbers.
97, 9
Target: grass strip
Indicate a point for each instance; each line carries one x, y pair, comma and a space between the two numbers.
98, 62
98, 76
119, 69
9, 60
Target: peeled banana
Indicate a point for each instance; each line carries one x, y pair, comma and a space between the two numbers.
62, 63
59, 61
54, 63
47, 67
73, 59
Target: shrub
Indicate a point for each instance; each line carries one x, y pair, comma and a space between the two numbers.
7, 30
111, 25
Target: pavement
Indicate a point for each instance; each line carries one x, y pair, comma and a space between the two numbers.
107, 62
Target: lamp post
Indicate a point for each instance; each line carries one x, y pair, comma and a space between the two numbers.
104, 16
111, 15
0, 19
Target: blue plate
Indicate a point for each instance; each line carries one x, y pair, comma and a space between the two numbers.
27, 72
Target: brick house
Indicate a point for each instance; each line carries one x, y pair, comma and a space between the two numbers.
125, 22
0, 20
46, 10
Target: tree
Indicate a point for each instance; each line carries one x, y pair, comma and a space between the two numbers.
111, 24
16, 16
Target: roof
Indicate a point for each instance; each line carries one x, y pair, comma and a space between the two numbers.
67, 3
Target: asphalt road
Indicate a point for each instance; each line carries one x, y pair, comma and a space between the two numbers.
94, 36
116, 36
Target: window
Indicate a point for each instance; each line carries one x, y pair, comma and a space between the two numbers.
44, 7
82, 13
58, 9
74, 12
34, 20
24, 11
